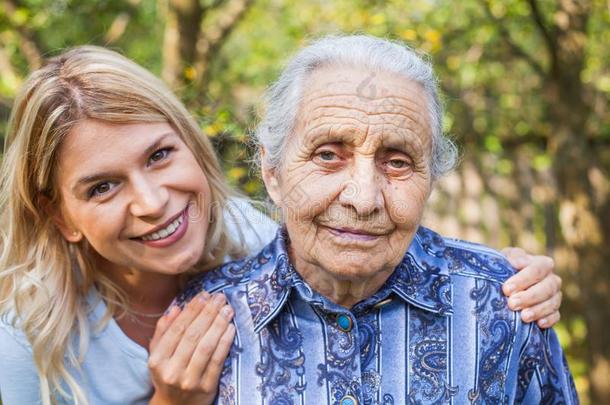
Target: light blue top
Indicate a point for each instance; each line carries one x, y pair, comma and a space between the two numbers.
437, 332
114, 370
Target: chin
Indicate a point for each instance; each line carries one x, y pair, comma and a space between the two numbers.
354, 268
180, 264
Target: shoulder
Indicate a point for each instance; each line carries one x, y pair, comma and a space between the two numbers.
468, 259
18, 374
460, 258
233, 275
12, 337
229, 275
248, 225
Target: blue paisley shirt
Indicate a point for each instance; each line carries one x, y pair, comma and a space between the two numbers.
438, 331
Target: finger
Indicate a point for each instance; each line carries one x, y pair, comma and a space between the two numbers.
538, 269
207, 346
542, 310
197, 330
549, 321
517, 257
168, 342
534, 295
163, 324
211, 376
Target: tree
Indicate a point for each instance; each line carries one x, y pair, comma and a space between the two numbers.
190, 44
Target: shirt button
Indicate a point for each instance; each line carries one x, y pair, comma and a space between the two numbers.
349, 400
344, 322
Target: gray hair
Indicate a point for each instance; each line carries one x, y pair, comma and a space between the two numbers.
379, 55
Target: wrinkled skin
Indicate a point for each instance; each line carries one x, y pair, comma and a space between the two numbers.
355, 180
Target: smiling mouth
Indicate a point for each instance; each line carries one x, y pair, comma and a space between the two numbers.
353, 234
165, 231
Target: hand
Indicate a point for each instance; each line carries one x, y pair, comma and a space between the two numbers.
535, 289
188, 350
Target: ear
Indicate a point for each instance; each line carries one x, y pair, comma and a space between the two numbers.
271, 180
66, 229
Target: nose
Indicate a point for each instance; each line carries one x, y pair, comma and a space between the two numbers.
362, 192
149, 198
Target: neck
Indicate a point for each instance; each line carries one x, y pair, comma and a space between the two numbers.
344, 292
147, 292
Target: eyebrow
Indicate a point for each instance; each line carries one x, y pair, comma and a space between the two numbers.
329, 133
92, 178
406, 141
402, 144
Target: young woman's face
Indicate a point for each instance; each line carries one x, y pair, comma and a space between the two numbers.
136, 193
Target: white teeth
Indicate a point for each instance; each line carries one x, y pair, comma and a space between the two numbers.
164, 233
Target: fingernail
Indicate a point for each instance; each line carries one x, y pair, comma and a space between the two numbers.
515, 303
543, 323
219, 298
226, 311
521, 262
509, 288
170, 310
527, 315
203, 296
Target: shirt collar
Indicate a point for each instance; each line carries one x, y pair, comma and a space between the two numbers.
421, 279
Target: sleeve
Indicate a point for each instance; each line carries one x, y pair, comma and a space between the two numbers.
19, 383
544, 375
249, 225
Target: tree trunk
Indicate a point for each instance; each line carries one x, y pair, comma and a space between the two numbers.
209, 43
182, 29
188, 48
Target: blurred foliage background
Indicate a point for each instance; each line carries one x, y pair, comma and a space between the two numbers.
526, 86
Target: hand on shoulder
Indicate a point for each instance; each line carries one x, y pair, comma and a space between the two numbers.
188, 350
535, 290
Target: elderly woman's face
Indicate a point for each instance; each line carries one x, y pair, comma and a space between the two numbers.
355, 176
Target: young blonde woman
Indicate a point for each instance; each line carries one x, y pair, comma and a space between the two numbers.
109, 198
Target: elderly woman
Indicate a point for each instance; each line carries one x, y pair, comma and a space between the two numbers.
355, 302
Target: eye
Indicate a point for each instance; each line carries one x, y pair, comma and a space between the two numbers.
159, 155
398, 164
330, 156
327, 155
100, 189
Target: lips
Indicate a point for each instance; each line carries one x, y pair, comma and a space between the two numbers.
353, 234
376, 228
167, 233
164, 232
354, 231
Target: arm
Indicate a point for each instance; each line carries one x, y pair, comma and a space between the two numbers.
544, 376
535, 289
188, 351
19, 383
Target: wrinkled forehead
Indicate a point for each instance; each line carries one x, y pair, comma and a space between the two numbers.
362, 107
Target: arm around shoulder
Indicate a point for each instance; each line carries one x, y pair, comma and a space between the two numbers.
19, 382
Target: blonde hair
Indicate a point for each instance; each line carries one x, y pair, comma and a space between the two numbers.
44, 280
